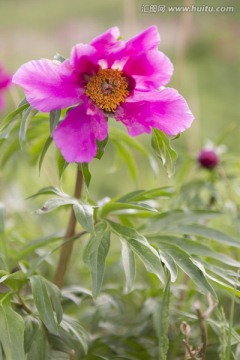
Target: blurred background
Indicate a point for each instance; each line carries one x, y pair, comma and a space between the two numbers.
202, 44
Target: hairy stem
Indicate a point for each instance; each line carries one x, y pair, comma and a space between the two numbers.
67, 246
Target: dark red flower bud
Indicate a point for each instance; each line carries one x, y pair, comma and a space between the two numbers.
208, 158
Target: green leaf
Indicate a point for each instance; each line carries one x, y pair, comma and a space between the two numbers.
44, 151
62, 165
195, 248
164, 151
206, 232
95, 255
53, 203
48, 191
184, 261
12, 116
141, 247
77, 337
125, 208
86, 173
224, 285
170, 219
11, 333
170, 265
161, 320
140, 195
54, 117
33, 245
15, 280
84, 215
55, 294
6, 132
117, 135
128, 159
35, 339
27, 115
101, 148
128, 262
43, 303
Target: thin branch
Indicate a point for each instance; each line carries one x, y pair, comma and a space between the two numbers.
189, 351
66, 250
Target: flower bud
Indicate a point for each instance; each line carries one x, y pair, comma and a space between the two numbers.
208, 158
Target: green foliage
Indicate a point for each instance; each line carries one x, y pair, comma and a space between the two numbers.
164, 151
140, 248
95, 255
11, 332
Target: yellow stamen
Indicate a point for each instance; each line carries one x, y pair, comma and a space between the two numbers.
108, 88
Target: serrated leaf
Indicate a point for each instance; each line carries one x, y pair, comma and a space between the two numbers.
84, 215
27, 115
43, 303
164, 151
141, 247
128, 262
86, 173
95, 255
11, 333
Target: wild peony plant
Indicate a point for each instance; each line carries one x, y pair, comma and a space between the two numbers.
107, 78
171, 232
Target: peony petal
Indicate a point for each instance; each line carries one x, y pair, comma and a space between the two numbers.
48, 85
76, 135
147, 40
84, 59
149, 70
165, 110
108, 40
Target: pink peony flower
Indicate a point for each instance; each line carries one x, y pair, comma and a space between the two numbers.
107, 78
208, 158
5, 81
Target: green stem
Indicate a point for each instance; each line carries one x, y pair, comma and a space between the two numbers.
67, 246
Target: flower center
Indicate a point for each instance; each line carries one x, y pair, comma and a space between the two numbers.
108, 88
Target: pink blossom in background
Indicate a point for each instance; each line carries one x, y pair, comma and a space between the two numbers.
106, 78
5, 81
